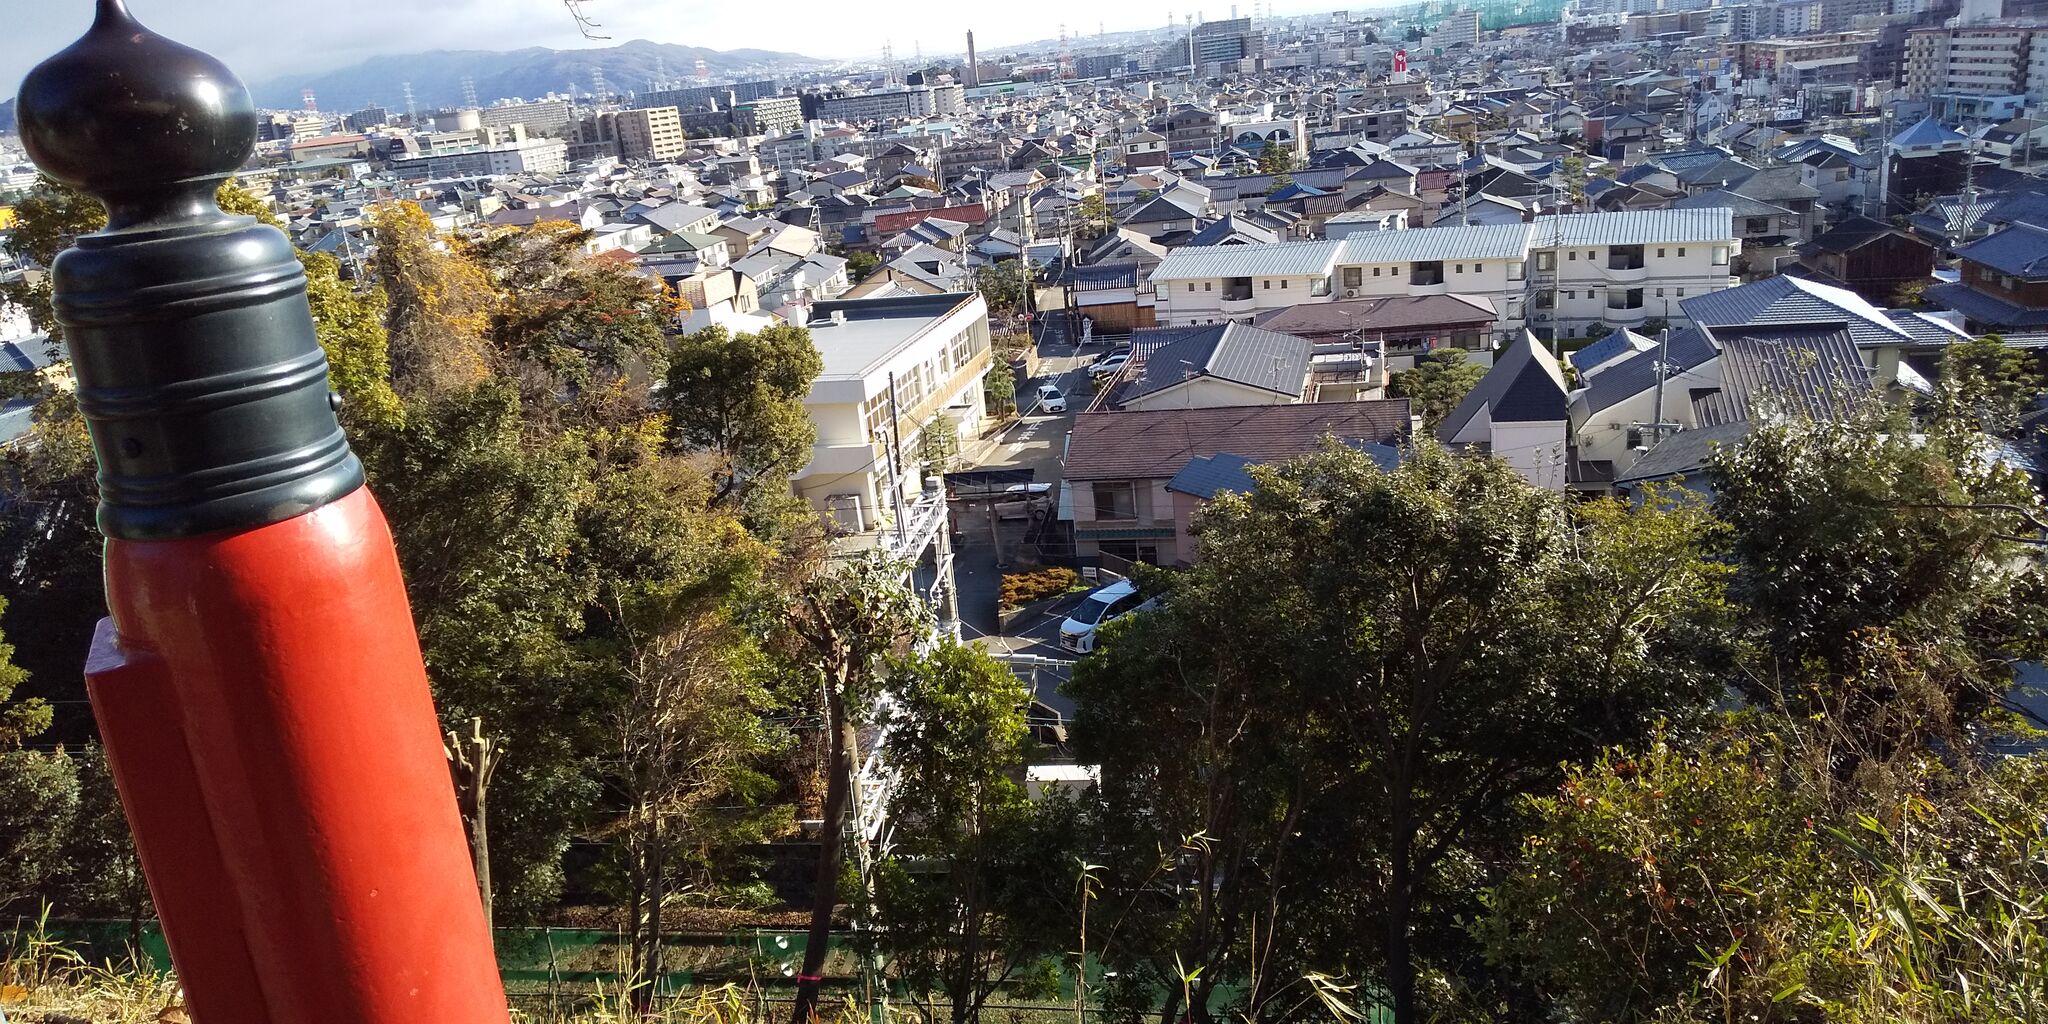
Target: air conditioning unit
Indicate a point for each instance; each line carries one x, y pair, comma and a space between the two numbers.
1350, 293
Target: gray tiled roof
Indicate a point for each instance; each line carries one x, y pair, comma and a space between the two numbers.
1256, 358
2020, 250
1684, 453
1689, 349
1523, 386
1790, 300
1636, 227
1814, 369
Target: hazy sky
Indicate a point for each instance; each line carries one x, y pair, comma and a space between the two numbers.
266, 39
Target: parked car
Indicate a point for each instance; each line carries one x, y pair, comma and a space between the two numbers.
1077, 633
1110, 363
1021, 501
1050, 399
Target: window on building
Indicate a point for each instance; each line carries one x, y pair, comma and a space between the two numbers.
1681, 252
1375, 271
1573, 255
1660, 254
1516, 270
1660, 293
1115, 501
1569, 294
1266, 285
1354, 276
1681, 293
1546, 261
1208, 286
1283, 284
1720, 255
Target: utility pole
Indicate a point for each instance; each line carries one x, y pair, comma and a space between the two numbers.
895, 455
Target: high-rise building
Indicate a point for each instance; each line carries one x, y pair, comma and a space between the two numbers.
1225, 40
545, 117
1459, 28
1978, 60
645, 134
692, 97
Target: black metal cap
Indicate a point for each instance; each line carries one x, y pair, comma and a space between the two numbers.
199, 373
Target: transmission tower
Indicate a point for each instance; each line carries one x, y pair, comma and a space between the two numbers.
411, 111
312, 106
597, 84
660, 73
888, 63
469, 92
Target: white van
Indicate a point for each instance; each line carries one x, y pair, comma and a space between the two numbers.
1121, 598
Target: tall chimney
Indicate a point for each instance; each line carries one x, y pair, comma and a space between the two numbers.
973, 63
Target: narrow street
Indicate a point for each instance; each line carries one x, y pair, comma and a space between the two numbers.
1037, 441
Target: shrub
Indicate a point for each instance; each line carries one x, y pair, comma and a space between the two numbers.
1023, 588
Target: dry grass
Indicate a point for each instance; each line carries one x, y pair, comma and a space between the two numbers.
42, 981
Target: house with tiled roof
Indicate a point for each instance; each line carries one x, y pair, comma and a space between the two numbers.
1517, 413
1114, 493
2004, 281
1222, 364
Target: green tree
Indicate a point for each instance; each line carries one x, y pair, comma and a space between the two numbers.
741, 399
1276, 159
1005, 286
860, 263
1436, 384
1342, 698
47, 220
968, 898
1647, 865
938, 444
1092, 217
485, 516
842, 622
1989, 382
1882, 583
1000, 385
40, 801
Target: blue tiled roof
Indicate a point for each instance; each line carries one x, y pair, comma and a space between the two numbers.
2020, 250
1206, 476
1613, 346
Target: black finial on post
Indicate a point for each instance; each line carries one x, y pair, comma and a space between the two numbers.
199, 372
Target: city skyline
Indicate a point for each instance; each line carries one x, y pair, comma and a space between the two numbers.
265, 41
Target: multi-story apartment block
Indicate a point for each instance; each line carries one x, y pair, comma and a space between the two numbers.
646, 134
769, 115
1458, 28
1558, 275
514, 156
941, 100
1978, 60
690, 97
892, 367
546, 117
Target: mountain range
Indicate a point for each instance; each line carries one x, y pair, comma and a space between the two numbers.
437, 76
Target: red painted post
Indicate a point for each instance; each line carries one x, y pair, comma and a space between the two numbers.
259, 684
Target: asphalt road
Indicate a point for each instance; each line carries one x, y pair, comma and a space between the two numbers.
1036, 441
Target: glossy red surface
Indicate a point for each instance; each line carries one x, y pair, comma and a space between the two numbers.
291, 673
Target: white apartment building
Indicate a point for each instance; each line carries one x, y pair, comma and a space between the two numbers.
912, 101
1978, 60
934, 349
1563, 275
524, 156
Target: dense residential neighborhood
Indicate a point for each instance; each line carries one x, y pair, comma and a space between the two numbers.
1485, 510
